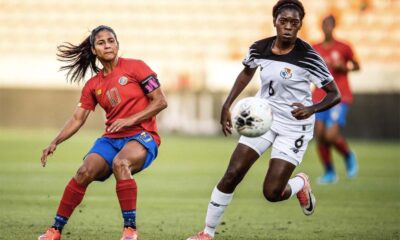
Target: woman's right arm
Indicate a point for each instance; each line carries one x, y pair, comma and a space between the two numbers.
241, 82
70, 128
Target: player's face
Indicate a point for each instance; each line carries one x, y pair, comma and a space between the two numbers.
327, 27
287, 24
105, 46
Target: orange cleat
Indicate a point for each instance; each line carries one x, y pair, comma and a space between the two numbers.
129, 234
305, 196
51, 234
201, 236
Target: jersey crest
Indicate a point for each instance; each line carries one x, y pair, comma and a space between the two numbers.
286, 73
123, 80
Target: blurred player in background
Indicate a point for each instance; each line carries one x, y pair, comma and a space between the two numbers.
288, 66
340, 60
130, 94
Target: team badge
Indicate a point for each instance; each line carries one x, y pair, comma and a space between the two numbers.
286, 73
123, 80
98, 91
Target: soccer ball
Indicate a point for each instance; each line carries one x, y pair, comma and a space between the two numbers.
252, 116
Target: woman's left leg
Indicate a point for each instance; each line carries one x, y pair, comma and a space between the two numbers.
128, 161
278, 187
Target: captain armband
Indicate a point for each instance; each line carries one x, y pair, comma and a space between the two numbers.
150, 84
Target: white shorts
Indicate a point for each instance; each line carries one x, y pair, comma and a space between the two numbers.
288, 146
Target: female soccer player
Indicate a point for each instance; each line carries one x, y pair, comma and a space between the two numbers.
340, 59
288, 66
130, 94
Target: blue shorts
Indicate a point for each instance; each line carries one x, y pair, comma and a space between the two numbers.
335, 115
108, 148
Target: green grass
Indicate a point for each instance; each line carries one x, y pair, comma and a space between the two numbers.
175, 190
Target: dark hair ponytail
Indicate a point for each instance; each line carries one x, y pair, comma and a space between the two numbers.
80, 57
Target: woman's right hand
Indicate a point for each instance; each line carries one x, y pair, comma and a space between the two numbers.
226, 121
46, 152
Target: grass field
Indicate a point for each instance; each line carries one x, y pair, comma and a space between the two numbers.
175, 190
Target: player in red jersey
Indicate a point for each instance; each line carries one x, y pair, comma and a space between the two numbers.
328, 124
130, 94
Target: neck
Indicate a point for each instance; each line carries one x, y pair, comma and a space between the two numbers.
108, 66
328, 39
283, 47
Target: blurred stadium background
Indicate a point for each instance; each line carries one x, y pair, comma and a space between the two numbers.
196, 47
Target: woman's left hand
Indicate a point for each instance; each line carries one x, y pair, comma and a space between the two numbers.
120, 123
302, 112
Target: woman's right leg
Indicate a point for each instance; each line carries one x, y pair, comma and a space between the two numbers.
94, 167
324, 152
241, 160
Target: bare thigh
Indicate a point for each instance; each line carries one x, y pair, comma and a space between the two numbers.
276, 180
94, 168
242, 159
129, 160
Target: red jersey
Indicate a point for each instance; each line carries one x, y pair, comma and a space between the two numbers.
121, 95
335, 52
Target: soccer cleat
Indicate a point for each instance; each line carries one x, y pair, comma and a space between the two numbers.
50, 234
328, 178
129, 234
351, 165
305, 196
201, 236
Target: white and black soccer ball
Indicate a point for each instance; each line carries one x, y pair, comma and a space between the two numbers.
252, 116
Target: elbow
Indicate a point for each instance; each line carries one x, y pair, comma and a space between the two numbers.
338, 98
163, 104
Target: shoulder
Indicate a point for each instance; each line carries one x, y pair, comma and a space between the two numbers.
316, 45
130, 62
92, 81
342, 43
307, 52
262, 45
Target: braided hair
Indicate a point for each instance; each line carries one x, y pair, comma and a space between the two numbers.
288, 4
80, 57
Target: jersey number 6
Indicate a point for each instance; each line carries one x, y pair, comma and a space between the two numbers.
271, 90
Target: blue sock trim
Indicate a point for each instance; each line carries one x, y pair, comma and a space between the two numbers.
129, 218
60, 221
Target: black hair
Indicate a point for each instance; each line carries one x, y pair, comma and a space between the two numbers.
285, 4
80, 57
330, 18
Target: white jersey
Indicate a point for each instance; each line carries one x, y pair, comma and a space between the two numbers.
286, 79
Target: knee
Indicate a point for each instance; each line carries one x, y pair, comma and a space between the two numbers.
272, 195
84, 175
232, 178
120, 165
330, 137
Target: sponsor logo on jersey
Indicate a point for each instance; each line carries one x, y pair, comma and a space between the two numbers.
98, 92
123, 80
286, 73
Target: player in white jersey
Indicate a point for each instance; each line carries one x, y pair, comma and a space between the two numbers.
288, 66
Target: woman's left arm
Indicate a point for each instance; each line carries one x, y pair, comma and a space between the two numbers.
332, 98
157, 104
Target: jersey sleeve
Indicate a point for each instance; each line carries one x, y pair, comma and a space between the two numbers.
147, 78
248, 61
88, 100
350, 56
318, 71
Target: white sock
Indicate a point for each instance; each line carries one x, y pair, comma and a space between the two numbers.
216, 207
296, 184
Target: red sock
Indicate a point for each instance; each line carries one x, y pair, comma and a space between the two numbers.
72, 197
342, 146
127, 194
324, 151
